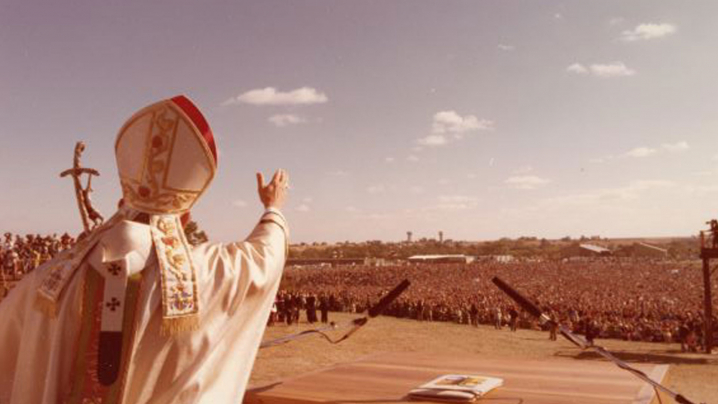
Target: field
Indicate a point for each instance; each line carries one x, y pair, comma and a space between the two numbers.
692, 374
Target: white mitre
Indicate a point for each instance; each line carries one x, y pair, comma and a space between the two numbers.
166, 158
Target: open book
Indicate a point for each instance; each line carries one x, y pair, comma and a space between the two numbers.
455, 388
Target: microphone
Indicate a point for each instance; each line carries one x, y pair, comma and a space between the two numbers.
530, 307
388, 299
522, 301
580, 341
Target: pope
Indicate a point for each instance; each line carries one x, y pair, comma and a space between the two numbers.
133, 313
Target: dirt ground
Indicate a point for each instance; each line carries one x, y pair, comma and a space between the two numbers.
692, 374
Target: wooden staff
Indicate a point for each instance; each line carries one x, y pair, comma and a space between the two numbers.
76, 172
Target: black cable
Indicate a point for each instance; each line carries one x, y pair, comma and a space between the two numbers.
357, 323
327, 337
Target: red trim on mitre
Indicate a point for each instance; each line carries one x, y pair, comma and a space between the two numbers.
197, 118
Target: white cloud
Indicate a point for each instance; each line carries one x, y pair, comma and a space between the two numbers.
303, 208
701, 190
239, 203
608, 70
506, 48
417, 189
412, 158
623, 204
452, 203
648, 31
307, 199
523, 170
603, 159
351, 209
675, 147
433, 140
452, 122
526, 182
270, 96
282, 120
558, 16
615, 69
640, 152
451, 206
338, 173
445, 123
607, 195
705, 173
577, 68
454, 199
715, 157
389, 159
616, 20
645, 151
375, 189
643, 185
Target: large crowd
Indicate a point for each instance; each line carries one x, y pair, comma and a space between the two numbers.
21, 254
651, 301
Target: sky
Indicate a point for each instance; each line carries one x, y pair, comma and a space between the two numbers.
482, 119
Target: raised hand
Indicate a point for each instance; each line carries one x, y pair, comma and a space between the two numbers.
274, 194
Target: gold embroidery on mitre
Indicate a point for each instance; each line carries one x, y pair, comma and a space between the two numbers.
180, 301
151, 193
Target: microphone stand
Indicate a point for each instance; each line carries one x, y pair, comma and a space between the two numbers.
353, 325
582, 343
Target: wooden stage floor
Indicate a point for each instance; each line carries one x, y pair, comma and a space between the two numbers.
387, 378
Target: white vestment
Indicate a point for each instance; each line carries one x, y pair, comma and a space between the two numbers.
237, 284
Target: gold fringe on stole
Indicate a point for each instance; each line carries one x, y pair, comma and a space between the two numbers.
177, 325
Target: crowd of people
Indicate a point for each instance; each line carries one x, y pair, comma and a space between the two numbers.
651, 301
21, 254
287, 307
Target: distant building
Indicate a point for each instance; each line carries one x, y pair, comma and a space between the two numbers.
504, 259
333, 262
441, 237
585, 250
408, 236
442, 259
648, 251
377, 262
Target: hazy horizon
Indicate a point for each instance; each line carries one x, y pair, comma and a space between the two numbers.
481, 119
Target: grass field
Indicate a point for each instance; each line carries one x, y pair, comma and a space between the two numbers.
694, 375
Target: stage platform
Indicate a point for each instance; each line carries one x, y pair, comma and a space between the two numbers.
387, 378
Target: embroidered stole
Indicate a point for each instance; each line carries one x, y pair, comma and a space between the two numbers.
180, 294
102, 357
